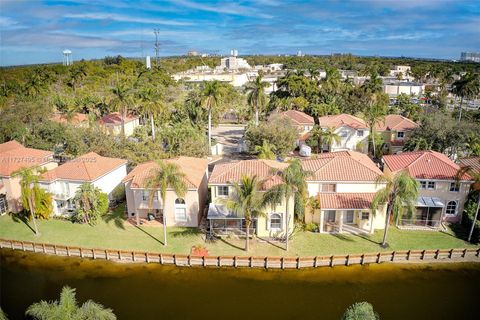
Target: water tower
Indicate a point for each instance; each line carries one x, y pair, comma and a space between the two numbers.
67, 57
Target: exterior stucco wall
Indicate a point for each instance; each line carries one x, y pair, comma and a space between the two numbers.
110, 181
351, 141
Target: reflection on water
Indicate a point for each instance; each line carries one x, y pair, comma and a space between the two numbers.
447, 291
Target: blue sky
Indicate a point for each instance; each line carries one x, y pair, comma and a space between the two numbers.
38, 31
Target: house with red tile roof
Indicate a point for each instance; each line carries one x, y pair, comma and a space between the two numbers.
63, 181
222, 221
344, 185
14, 156
112, 124
442, 196
353, 132
77, 119
300, 119
183, 211
395, 130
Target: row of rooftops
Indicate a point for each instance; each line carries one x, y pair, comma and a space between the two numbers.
392, 121
113, 118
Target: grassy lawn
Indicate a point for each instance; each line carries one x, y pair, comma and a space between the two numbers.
114, 233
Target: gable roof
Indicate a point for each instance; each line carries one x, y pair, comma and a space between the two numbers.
396, 122
297, 117
424, 165
340, 120
342, 166
14, 156
473, 162
193, 168
88, 167
77, 118
115, 118
232, 172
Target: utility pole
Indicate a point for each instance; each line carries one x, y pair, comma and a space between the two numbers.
157, 46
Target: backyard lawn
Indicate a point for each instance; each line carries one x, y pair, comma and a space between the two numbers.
114, 232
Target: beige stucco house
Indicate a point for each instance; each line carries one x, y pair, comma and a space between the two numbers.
273, 224
396, 130
112, 124
442, 197
353, 132
343, 185
14, 156
183, 211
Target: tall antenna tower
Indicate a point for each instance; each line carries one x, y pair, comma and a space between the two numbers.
157, 45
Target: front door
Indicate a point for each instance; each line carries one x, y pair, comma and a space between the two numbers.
348, 216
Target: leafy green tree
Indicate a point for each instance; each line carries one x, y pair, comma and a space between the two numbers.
152, 105
279, 133
256, 95
360, 311
246, 201
122, 101
211, 95
67, 308
91, 203
265, 151
166, 176
293, 186
474, 189
468, 86
373, 116
400, 192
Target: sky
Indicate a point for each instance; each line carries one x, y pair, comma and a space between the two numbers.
35, 31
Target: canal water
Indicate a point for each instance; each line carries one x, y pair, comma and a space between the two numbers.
440, 291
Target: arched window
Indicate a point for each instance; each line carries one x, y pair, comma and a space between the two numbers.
180, 210
275, 221
451, 208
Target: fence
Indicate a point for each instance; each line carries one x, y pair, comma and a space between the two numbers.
243, 261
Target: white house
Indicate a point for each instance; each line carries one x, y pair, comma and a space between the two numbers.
353, 132
63, 181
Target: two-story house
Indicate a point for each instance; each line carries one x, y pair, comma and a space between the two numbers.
395, 130
183, 211
112, 124
344, 184
302, 121
273, 224
63, 181
353, 132
14, 156
442, 196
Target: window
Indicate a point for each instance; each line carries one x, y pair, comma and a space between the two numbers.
454, 187
328, 187
360, 133
430, 185
275, 221
343, 133
348, 216
400, 135
146, 193
330, 216
223, 191
180, 210
3, 204
451, 208
365, 215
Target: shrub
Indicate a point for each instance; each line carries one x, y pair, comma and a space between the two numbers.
312, 227
278, 133
360, 311
119, 193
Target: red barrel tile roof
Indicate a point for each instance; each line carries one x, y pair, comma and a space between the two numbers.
297, 117
396, 122
339, 120
116, 118
346, 200
14, 156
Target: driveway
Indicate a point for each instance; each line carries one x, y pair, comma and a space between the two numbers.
229, 136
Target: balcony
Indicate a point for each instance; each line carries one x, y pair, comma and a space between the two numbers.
62, 196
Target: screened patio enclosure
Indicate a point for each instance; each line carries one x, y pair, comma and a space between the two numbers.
428, 213
223, 222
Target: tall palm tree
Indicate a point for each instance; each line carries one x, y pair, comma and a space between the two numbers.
256, 96
152, 105
475, 188
468, 86
246, 200
400, 191
122, 101
166, 176
374, 115
329, 136
67, 308
86, 199
210, 100
293, 185
31, 192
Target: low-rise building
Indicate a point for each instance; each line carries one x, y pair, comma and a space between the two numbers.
183, 211
112, 124
273, 224
353, 132
77, 119
344, 184
394, 88
14, 156
63, 181
442, 197
395, 130
302, 121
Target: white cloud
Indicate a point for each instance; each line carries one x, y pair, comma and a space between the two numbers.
224, 7
125, 18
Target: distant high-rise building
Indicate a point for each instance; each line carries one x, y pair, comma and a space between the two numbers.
470, 56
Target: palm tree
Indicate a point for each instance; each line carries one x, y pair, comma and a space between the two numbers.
468, 86
293, 185
474, 187
256, 95
67, 308
265, 151
166, 176
152, 105
31, 192
400, 191
86, 200
122, 102
246, 201
3, 316
329, 136
374, 115
210, 99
